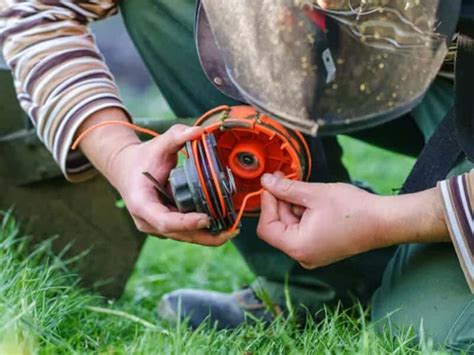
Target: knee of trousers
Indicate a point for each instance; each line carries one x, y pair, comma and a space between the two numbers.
423, 288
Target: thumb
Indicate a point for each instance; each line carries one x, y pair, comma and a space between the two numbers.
292, 191
174, 138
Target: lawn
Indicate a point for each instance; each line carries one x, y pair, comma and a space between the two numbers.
42, 310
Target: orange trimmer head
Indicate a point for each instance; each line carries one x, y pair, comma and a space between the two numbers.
251, 144
224, 167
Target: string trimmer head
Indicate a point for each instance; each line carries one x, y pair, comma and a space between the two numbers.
222, 171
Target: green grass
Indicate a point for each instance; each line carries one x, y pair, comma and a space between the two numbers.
42, 310
383, 170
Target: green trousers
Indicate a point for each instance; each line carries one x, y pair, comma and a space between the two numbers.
417, 284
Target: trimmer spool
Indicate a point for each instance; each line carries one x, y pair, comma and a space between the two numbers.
226, 164
203, 185
252, 144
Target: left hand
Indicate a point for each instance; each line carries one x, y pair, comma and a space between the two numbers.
318, 224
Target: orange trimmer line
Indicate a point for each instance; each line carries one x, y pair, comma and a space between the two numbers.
201, 178
116, 123
112, 123
214, 177
246, 199
242, 208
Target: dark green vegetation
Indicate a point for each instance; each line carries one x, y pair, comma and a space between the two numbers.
42, 310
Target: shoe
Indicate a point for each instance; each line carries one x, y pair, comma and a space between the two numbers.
222, 310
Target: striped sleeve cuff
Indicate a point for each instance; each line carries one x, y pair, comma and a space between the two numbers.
60, 77
458, 199
72, 107
60, 104
75, 166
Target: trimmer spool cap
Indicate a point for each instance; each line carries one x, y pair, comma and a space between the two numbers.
251, 144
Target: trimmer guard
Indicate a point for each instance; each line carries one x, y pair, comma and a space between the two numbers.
330, 71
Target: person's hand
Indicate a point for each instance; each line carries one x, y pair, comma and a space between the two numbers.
152, 216
316, 224
122, 158
319, 224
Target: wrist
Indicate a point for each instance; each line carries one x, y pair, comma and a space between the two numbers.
102, 145
411, 218
375, 223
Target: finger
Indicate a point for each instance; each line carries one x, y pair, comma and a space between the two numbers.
142, 225
174, 138
202, 238
269, 223
229, 235
206, 238
285, 211
285, 239
166, 222
287, 190
274, 231
269, 209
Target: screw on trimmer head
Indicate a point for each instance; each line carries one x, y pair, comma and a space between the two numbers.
201, 184
251, 144
225, 165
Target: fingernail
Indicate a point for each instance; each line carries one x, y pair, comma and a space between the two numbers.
268, 179
203, 223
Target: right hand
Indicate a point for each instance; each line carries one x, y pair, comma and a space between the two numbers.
151, 215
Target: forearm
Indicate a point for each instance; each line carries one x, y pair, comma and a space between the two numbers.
411, 218
103, 144
442, 214
60, 76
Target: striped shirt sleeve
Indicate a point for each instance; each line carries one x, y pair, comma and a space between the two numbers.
458, 198
59, 75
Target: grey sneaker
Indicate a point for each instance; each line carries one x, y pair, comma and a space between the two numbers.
223, 310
